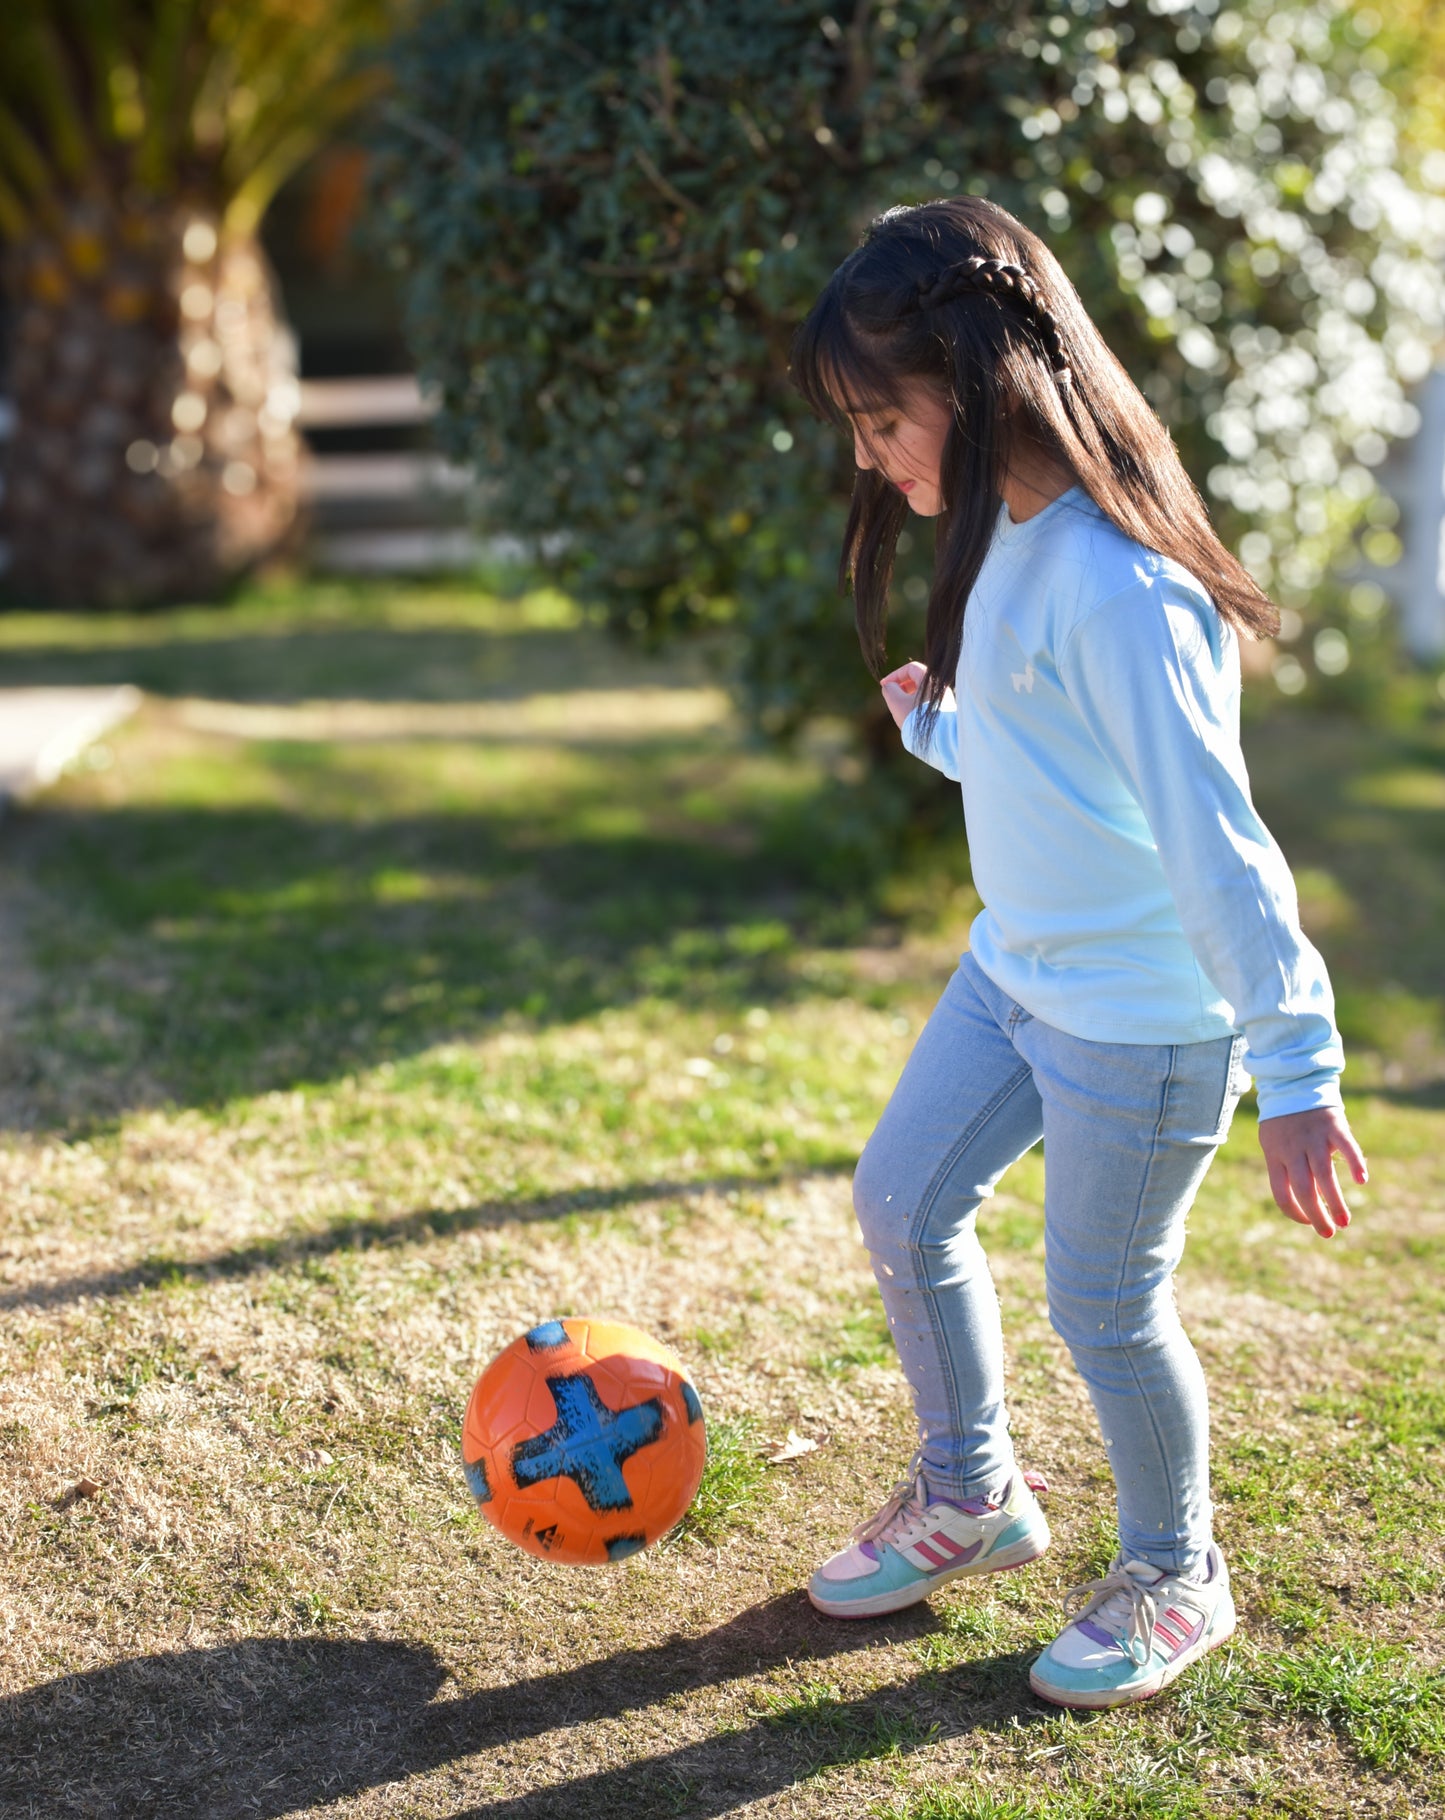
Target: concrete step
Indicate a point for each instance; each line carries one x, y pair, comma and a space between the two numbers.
42, 730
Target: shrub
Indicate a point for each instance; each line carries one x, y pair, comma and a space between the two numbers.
613, 217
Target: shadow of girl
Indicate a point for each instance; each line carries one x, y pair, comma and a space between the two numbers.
272, 1726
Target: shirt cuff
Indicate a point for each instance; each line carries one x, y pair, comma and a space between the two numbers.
1297, 1096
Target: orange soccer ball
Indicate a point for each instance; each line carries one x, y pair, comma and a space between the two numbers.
584, 1441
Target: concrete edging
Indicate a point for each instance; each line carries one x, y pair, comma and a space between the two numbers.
43, 730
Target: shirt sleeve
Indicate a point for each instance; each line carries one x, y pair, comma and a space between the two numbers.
1153, 672
940, 749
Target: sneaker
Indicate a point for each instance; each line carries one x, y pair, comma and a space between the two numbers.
1132, 1632
916, 1544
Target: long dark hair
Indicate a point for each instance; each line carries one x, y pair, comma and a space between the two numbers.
962, 297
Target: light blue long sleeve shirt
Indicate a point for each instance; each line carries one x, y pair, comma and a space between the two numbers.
1131, 892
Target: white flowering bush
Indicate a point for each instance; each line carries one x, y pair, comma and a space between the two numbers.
1305, 396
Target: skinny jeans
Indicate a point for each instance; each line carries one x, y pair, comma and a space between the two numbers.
1129, 1131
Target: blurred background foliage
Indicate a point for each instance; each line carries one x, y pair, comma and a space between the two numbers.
610, 220
1411, 38
152, 378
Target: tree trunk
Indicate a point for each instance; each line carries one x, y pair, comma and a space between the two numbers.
154, 454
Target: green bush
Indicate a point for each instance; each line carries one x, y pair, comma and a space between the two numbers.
612, 218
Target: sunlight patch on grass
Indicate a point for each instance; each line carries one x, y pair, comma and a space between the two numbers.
1158, 1798
302, 603
1401, 789
974, 1629
861, 1339
1378, 1700
732, 1482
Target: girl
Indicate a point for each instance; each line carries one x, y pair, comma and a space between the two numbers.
1139, 954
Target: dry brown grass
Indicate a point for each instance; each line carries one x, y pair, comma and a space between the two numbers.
245, 1625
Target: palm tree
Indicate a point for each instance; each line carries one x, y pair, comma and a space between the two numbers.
153, 381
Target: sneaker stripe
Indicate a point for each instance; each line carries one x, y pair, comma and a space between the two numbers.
939, 1540
1194, 1633
931, 1555
1176, 1629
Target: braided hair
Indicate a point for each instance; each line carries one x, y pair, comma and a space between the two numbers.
1010, 285
1025, 373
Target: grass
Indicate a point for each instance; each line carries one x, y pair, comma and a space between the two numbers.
828, 1730
731, 1481
417, 966
1390, 1710
1159, 1799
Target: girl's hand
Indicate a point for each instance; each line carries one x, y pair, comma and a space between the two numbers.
1297, 1147
900, 690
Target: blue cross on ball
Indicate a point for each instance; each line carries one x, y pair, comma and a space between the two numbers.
588, 1443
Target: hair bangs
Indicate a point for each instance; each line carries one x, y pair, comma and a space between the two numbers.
841, 374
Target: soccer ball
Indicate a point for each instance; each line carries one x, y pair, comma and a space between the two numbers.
584, 1441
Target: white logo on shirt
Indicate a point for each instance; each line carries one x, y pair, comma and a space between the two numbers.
1023, 679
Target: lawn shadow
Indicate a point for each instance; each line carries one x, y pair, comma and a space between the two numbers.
416, 1228
1359, 805
188, 956
273, 1726
344, 661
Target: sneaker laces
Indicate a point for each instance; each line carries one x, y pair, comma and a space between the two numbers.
908, 1503
905, 1504
1123, 1606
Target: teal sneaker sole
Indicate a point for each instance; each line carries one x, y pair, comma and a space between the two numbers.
1012, 1550
1084, 1698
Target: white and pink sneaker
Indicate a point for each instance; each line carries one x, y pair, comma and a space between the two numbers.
1131, 1633
916, 1544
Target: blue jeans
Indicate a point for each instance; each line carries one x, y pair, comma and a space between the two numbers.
1129, 1132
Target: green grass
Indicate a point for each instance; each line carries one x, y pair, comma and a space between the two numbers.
1159, 1799
976, 1637
320, 908
1376, 1702
731, 1481
862, 1338
418, 965
828, 1730
1379, 1701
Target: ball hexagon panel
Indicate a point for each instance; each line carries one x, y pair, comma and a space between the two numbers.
603, 1459
614, 1386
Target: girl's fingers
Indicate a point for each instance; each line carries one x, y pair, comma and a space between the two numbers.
1302, 1172
1323, 1166
1314, 1188
1281, 1187
899, 704
1295, 1192
909, 677
1359, 1168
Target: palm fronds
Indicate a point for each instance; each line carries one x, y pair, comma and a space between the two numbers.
219, 100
